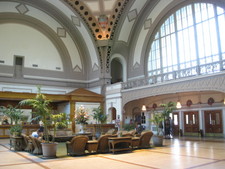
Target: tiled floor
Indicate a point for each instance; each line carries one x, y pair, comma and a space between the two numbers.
176, 154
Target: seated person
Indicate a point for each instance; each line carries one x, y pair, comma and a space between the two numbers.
37, 134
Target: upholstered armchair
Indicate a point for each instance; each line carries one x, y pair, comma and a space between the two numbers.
77, 145
37, 145
103, 146
143, 141
27, 143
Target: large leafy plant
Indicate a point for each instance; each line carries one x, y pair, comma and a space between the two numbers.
157, 119
99, 115
13, 113
41, 109
59, 122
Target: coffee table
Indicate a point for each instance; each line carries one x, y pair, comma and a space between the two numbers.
120, 144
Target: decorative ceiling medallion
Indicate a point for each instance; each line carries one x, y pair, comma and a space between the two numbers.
61, 32
132, 15
211, 101
189, 103
154, 106
21, 8
75, 20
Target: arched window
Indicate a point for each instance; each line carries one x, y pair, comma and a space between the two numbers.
190, 42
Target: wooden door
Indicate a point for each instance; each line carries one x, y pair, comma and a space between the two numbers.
191, 122
176, 127
213, 121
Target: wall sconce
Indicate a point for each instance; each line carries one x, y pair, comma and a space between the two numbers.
178, 105
224, 101
143, 108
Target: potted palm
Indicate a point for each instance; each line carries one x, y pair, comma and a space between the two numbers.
15, 116
16, 130
100, 118
59, 122
13, 113
158, 119
42, 111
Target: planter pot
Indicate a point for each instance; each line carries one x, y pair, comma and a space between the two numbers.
82, 128
49, 150
157, 141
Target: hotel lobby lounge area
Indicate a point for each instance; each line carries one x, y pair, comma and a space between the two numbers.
177, 153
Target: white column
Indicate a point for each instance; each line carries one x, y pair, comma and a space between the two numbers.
223, 118
201, 120
181, 120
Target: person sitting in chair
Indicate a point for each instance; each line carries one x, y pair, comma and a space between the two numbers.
37, 134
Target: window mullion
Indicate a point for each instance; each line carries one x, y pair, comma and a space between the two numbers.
196, 40
177, 44
218, 38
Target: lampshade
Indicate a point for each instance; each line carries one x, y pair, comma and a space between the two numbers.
224, 101
143, 108
178, 105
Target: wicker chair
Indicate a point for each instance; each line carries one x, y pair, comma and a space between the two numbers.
37, 145
77, 145
143, 141
27, 143
110, 131
103, 146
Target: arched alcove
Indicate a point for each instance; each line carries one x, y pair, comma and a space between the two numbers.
116, 71
112, 115
118, 68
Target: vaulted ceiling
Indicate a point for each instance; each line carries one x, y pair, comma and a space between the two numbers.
100, 15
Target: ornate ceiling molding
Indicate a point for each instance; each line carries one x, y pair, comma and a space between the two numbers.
101, 30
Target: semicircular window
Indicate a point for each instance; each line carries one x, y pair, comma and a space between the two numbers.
190, 42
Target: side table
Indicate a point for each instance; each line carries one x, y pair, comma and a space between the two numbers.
92, 146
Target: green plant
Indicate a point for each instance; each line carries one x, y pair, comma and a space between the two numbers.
13, 113
157, 119
59, 121
168, 108
42, 110
16, 129
99, 116
129, 127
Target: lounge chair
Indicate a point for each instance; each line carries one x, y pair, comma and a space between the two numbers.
143, 141
77, 145
103, 145
37, 145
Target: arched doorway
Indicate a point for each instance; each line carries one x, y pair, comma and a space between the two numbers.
112, 115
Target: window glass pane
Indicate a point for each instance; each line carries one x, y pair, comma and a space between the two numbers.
221, 24
175, 120
193, 119
187, 120
187, 39
217, 118
210, 118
